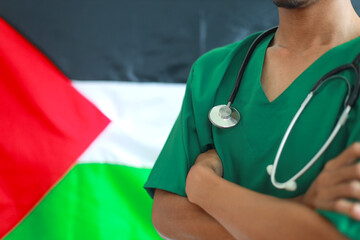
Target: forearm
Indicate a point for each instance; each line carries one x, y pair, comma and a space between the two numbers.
176, 218
242, 211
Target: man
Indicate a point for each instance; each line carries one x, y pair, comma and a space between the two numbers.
203, 193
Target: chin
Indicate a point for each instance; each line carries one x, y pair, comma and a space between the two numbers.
293, 4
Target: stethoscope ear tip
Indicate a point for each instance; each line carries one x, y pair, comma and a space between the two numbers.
291, 186
269, 169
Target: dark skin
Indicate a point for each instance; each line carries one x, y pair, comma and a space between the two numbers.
218, 209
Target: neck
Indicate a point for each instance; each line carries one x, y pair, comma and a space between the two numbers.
323, 23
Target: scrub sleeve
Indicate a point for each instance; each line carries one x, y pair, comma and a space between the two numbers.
190, 135
192, 131
179, 153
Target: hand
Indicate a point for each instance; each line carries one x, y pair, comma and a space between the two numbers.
211, 160
337, 183
205, 165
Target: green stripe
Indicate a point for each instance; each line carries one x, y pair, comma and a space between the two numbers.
94, 201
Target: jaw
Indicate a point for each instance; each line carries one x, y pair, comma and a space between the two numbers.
293, 4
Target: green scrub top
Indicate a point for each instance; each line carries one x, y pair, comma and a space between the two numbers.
248, 148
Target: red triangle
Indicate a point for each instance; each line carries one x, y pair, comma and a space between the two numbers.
45, 125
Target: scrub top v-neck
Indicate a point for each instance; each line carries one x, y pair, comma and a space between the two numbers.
249, 147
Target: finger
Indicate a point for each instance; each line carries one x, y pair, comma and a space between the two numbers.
344, 190
349, 208
349, 156
345, 174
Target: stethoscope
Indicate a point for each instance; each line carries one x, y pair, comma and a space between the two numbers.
226, 116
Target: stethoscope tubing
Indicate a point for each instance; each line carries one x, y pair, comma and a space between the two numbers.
349, 102
290, 184
246, 61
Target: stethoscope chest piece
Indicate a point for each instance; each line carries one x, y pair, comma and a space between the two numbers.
224, 116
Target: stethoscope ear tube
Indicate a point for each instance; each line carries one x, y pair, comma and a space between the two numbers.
350, 100
290, 184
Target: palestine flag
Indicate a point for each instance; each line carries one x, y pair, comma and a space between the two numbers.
89, 91
50, 185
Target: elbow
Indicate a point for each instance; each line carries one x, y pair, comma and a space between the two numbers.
161, 215
159, 224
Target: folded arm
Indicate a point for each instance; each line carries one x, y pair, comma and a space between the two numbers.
174, 217
218, 209
244, 212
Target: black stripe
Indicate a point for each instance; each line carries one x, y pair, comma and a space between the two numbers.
134, 40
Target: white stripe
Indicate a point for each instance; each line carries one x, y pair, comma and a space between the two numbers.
142, 115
